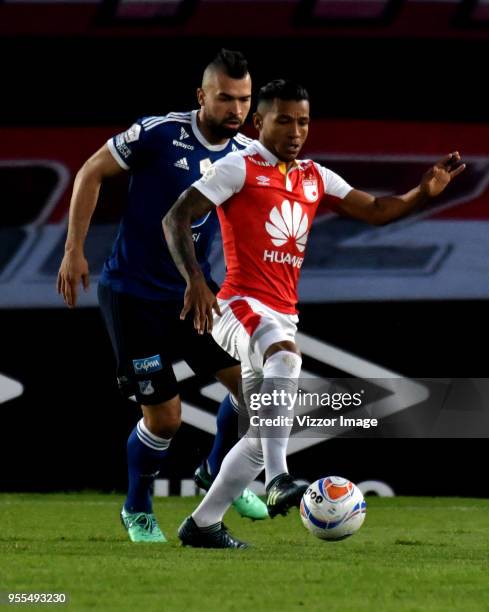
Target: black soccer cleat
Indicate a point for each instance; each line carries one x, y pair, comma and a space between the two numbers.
215, 536
284, 493
202, 477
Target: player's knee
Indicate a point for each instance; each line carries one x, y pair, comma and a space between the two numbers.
283, 364
165, 427
170, 426
163, 419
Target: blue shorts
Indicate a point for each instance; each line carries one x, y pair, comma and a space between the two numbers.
147, 337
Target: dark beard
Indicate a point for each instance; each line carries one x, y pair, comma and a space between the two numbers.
221, 131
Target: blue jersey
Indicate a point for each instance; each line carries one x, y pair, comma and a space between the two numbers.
164, 155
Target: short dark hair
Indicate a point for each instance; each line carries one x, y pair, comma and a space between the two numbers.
232, 63
283, 90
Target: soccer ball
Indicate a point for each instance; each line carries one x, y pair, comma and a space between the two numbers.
333, 508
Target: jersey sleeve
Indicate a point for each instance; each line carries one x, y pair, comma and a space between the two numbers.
334, 185
223, 179
129, 147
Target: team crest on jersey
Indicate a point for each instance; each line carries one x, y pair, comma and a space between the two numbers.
310, 188
132, 134
208, 174
204, 165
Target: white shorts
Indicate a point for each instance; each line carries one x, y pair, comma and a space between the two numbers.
247, 328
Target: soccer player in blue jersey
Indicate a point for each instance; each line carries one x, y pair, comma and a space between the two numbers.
140, 290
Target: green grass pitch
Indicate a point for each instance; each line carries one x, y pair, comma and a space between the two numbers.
412, 554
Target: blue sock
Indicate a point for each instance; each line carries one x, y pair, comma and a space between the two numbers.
145, 454
226, 436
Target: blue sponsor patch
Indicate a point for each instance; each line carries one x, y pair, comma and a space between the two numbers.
148, 364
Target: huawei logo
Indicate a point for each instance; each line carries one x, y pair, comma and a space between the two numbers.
289, 222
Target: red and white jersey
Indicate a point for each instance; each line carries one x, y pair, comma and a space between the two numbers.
266, 213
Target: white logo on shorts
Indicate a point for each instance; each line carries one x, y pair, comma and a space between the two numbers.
146, 387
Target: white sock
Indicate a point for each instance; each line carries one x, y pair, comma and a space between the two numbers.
281, 372
240, 467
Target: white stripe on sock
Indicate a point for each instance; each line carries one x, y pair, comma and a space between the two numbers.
234, 402
150, 439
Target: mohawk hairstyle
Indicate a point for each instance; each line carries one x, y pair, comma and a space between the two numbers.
232, 63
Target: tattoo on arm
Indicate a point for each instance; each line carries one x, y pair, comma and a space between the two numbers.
177, 226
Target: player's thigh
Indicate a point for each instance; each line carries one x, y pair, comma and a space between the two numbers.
231, 335
248, 329
230, 378
206, 357
142, 346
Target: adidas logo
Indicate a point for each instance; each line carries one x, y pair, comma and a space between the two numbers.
272, 498
182, 164
289, 222
234, 147
183, 134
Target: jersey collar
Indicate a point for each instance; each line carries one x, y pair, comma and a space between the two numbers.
270, 157
200, 137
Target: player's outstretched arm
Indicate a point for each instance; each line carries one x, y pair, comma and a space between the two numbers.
383, 209
74, 266
177, 226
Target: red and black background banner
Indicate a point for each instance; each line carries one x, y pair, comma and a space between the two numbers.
394, 86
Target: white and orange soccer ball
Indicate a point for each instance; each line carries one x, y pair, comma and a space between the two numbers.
333, 508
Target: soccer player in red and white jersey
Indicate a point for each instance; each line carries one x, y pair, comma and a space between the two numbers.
266, 200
